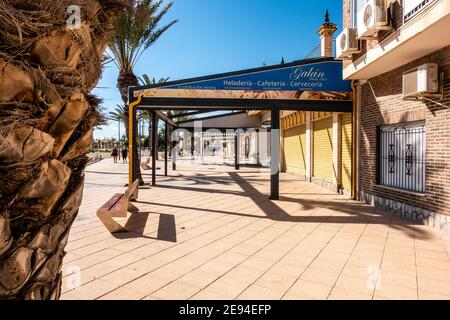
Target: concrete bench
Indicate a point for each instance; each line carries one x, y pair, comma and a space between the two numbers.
118, 207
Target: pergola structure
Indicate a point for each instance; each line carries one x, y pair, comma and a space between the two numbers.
304, 85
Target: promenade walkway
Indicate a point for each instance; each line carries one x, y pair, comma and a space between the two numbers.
210, 232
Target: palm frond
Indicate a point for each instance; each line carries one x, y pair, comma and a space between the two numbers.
137, 30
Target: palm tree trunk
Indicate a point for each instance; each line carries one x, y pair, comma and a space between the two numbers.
125, 80
46, 118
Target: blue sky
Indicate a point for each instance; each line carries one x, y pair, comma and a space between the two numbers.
214, 36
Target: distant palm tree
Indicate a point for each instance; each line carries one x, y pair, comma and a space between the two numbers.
118, 115
145, 80
146, 115
133, 33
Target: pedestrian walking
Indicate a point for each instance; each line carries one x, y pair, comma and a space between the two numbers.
115, 153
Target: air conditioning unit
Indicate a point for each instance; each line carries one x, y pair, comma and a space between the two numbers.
347, 43
421, 80
372, 18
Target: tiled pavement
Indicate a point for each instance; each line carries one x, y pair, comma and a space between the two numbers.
209, 232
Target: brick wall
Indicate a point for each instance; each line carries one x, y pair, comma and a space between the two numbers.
346, 15
382, 103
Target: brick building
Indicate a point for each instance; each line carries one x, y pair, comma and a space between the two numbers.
398, 53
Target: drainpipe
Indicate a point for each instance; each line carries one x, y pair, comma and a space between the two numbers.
355, 139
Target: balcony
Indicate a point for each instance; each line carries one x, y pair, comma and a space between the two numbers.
421, 34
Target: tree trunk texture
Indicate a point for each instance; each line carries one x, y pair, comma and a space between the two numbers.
47, 115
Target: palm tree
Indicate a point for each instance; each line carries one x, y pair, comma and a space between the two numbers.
48, 67
133, 34
146, 81
118, 116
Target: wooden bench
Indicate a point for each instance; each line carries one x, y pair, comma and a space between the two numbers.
118, 207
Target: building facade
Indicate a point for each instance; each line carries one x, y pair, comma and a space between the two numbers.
401, 68
317, 146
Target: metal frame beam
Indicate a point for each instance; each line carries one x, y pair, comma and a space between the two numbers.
154, 144
166, 141
247, 104
275, 155
204, 105
193, 113
210, 117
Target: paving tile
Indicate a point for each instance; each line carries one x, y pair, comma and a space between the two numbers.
402, 268
356, 284
172, 270
208, 295
149, 264
124, 293
258, 263
321, 275
395, 292
307, 290
298, 260
193, 261
435, 286
227, 287
147, 284
245, 274
356, 270
91, 260
342, 294
255, 292
433, 273
397, 278
175, 291
432, 263
223, 256
430, 254
93, 290
199, 278
426, 295
276, 281
122, 276
287, 269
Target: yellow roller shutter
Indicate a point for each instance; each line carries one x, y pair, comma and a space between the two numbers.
346, 138
323, 149
295, 149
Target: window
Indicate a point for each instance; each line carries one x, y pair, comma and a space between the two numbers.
356, 7
402, 156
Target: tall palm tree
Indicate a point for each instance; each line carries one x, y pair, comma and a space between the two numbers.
48, 67
118, 115
133, 34
145, 80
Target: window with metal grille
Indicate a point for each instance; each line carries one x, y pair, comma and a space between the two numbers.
402, 156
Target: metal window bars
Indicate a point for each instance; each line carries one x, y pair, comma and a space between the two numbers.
402, 156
